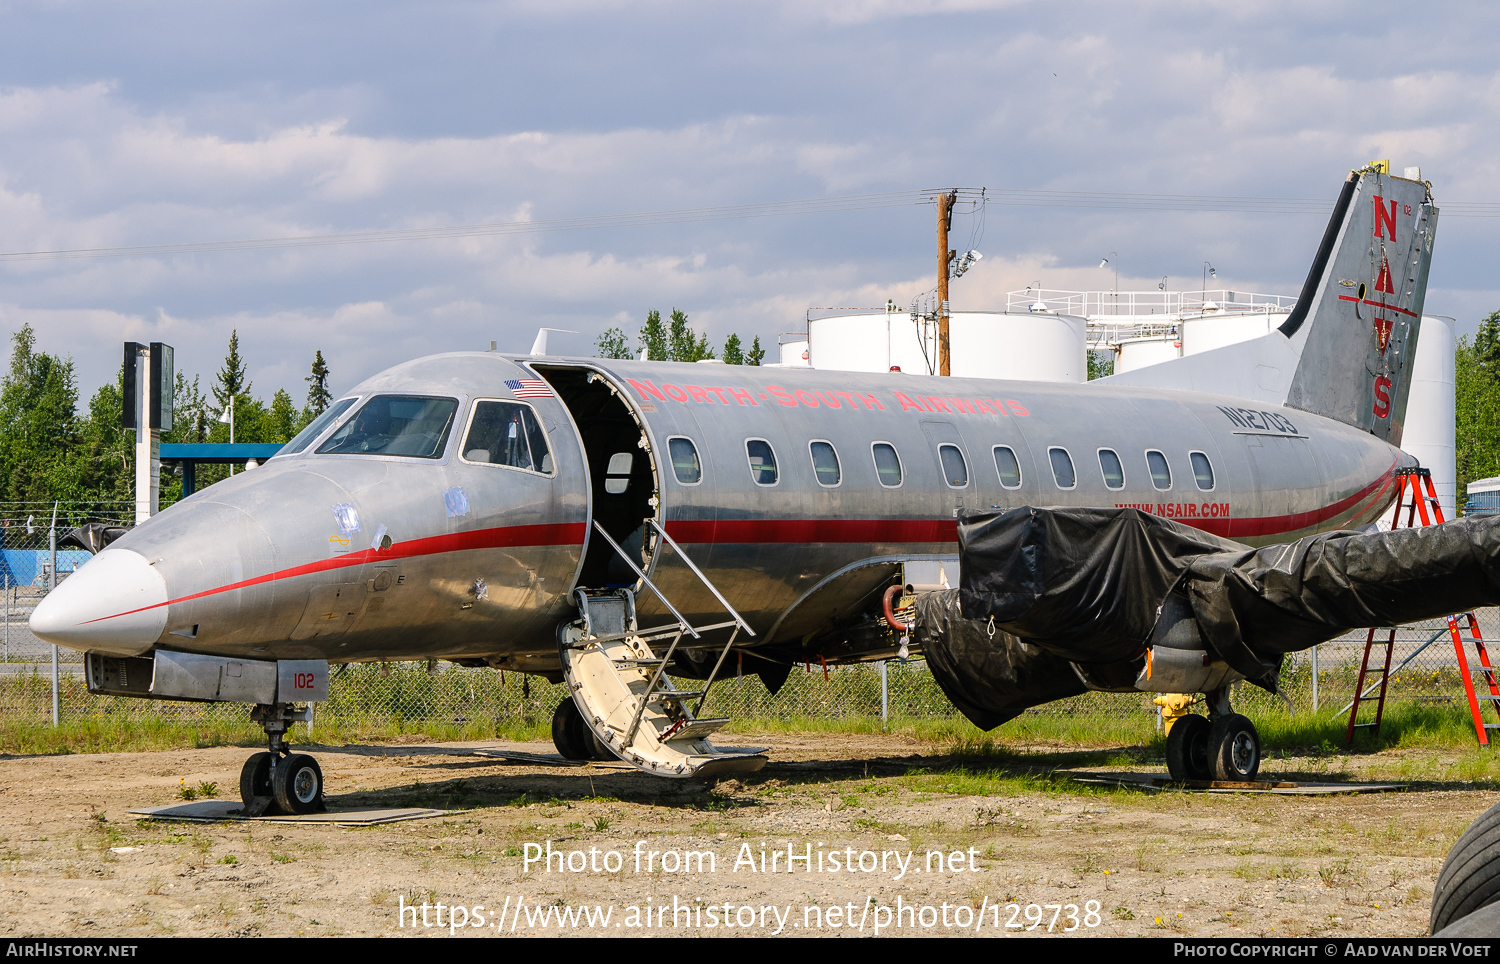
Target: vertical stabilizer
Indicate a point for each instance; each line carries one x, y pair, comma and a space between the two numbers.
1362, 304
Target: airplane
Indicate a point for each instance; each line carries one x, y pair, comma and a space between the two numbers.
598, 521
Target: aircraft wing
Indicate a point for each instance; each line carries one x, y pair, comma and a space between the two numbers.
1055, 601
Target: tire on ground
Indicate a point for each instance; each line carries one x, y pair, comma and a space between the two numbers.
568, 732
1188, 749
1470, 878
1234, 748
298, 784
255, 777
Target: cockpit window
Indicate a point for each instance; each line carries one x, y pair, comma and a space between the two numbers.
413, 426
507, 433
317, 426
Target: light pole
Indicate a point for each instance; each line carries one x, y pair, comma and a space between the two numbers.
1208, 269
1114, 258
227, 417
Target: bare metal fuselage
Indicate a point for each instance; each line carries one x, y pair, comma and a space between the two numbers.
266, 564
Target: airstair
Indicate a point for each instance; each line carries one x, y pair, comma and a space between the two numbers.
617, 675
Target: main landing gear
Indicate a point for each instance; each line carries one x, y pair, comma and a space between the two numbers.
280, 781
1222, 746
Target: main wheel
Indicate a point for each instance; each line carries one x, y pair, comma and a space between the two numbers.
298, 783
569, 734
255, 778
1235, 747
1470, 878
602, 752
1188, 749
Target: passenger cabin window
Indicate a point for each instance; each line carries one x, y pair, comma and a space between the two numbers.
507, 433
317, 427
762, 461
1062, 468
1008, 467
617, 473
1114, 472
955, 469
1161, 473
887, 464
407, 425
685, 464
825, 463
1203, 471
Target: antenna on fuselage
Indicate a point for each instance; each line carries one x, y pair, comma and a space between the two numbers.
539, 347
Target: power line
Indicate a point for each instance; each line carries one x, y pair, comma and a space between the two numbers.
1094, 200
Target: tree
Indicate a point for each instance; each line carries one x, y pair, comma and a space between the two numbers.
190, 412
756, 353
654, 337
683, 344
612, 344
1101, 364
283, 420
105, 456
318, 395
231, 383
1476, 390
38, 424
733, 353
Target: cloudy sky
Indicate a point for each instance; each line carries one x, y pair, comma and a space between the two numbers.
125, 124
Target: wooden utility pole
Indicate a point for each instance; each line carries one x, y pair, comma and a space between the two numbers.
945, 257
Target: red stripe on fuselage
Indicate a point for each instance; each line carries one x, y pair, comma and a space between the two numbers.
1277, 525
505, 537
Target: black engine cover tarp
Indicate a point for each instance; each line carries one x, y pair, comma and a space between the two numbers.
1083, 583
1086, 585
989, 679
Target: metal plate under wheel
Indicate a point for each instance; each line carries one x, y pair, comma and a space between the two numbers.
610, 679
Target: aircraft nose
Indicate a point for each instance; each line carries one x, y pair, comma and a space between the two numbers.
115, 603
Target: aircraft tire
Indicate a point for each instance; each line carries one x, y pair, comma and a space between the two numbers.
1234, 746
1188, 749
569, 734
1470, 878
255, 778
601, 753
298, 783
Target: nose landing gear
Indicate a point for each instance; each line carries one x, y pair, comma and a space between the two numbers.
280, 781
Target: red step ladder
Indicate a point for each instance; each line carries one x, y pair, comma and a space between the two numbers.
1415, 494
1493, 697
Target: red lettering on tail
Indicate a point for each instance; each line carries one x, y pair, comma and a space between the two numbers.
1383, 219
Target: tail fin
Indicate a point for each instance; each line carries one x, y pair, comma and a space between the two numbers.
1362, 303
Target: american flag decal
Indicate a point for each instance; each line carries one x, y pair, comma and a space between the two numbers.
528, 388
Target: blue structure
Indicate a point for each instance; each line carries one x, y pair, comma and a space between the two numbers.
192, 454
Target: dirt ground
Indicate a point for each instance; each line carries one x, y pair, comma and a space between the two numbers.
1011, 845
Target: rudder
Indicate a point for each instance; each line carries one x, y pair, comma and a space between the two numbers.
1362, 303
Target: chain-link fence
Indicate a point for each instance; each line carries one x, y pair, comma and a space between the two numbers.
404, 697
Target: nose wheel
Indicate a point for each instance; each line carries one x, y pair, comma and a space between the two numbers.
278, 780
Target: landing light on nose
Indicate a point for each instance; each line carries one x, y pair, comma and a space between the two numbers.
114, 603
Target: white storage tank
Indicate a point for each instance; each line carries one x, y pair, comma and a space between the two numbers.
1031, 346
1214, 329
1146, 350
1431, 407
793, 354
